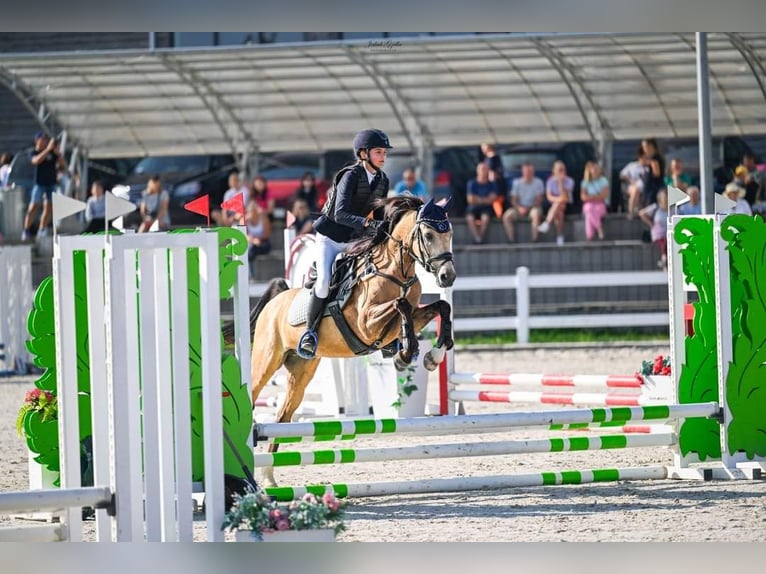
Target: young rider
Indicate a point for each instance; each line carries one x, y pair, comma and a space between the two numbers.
344, 218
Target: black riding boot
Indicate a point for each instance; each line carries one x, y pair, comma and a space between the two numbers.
307, 346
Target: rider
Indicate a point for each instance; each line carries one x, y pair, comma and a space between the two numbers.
343, 219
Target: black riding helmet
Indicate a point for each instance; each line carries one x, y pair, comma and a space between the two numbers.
368, 139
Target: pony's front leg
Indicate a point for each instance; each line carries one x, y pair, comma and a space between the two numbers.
409, 338
424, 315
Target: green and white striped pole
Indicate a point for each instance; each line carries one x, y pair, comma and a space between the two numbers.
418, 452
462, 484
470, 423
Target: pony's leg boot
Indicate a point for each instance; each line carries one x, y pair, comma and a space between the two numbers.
266, 477
307, 346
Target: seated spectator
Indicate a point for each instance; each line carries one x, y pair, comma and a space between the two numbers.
308, 190
693, 206
527, 194
5, 169
655, 216
303, 223
676, 176
480, 194
154, 206
411, 185
632, 176
736, 193
260, 195
497, 176
753, 182
258, 228
654, 176
226, 217
594, 191
558, 190
95, 209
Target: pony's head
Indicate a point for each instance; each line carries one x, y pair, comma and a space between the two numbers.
426, 230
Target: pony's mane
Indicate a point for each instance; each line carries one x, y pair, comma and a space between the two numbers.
394, 208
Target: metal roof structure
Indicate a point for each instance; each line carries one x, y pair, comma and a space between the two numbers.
422, 92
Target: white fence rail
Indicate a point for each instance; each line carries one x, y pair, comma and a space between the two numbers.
522, 282
15, 302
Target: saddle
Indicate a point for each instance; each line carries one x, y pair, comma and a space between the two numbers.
344, 279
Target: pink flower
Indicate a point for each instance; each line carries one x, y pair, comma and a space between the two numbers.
327, 498
308, 497
48, 396
282, 525
275, 514
32, 395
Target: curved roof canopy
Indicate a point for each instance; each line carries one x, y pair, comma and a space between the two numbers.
437, 91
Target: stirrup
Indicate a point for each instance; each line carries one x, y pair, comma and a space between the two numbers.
307, 346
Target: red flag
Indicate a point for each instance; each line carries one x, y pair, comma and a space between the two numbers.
201, 205
236, 203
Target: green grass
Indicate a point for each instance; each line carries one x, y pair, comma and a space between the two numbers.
565, 336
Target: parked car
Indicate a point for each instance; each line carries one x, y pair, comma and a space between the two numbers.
186, 178
453, 168
574, 155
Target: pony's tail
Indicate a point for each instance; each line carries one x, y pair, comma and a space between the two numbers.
276, 286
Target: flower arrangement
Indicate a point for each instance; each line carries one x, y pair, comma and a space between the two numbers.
258, 513
36, 400
659, 366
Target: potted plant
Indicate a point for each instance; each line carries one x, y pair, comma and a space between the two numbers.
255, 516
657, 379
43, 407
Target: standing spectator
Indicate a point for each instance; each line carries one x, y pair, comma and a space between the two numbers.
480, 194
260, 195
95, 209
654, 175
46, 158
655, 216
693, 206
258, 229
527, 194
303, 222
497, 176
154, 206
411, 185
632, 176
594, 190
676, 176
226, 217
5, 169
308, 190
753, 181
736, 193
558, 191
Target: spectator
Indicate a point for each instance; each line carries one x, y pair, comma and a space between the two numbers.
46, 158
676, 177
95, 209
480, 194
5, 169
654, 175
693, 206
411, 185
655, 216
226, 217
258, 227
737, 193
753, 182
527, 194
497, 176
154, 206
632, 176
308, 190
594, 191
558, 190
260, 195
303, 222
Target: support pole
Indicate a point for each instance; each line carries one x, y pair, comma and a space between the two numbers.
703, 105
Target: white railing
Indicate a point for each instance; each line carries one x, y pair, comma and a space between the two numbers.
522, 282
15, 302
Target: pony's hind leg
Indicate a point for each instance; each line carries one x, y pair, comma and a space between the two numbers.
409, 337
300, 372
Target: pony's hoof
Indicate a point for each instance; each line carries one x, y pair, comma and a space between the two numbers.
399, 364
266, 478
429, 363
